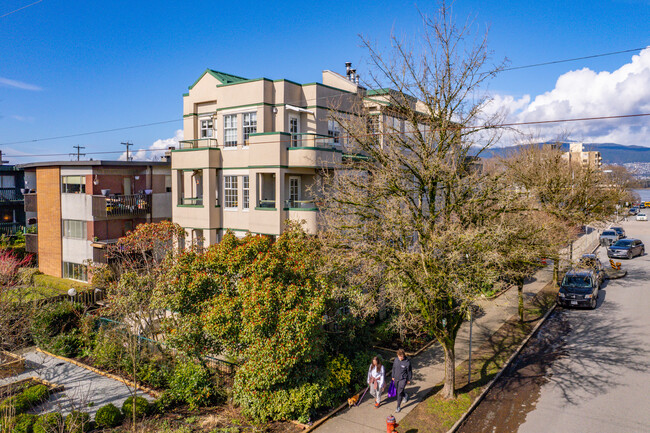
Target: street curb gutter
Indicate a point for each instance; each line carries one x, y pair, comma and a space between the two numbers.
480, 398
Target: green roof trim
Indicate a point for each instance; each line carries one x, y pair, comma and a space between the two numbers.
244, 81
186, 94
220, 76
269, 133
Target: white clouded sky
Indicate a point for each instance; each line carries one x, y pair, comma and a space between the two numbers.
587, 93
159, 147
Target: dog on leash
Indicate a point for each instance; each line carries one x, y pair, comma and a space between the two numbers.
353, 400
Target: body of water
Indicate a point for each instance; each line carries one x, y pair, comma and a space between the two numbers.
643, 193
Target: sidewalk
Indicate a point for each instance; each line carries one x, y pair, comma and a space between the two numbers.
428, 367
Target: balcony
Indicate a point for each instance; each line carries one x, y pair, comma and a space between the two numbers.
304, 205
266, 205
30, 202
309, 149
198, 143
10, 194
31, 242
191, 201
121, 205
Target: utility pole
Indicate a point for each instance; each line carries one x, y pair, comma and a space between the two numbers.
78, 152
127, 144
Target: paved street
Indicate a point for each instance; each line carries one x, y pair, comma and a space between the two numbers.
587, 371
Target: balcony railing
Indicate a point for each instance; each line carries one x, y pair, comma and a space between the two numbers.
310, 139
300, 204
198, 143
9, 229
30, 202
10, 194
121, 205
191, 201
266, 204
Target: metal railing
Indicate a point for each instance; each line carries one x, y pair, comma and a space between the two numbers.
310, 139
10, 194
301, 204
270, 204
9, 229
192, 201
121, 205
198, 143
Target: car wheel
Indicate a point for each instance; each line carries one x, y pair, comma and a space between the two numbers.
594, 302
629, 255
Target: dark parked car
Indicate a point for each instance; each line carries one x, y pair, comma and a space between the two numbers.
579, 288
634, 210
608, 237
591, 262
619, 231
626, 248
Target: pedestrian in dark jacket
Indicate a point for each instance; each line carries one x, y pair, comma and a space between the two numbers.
402, 376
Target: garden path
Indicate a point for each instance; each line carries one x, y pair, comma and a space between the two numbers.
82, 386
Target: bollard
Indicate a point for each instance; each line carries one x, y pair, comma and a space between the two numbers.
391, 424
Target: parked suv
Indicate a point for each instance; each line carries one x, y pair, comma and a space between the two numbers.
634, 210
626, 248
579, 288
608, 237
619, 231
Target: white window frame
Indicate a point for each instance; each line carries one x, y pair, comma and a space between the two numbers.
82, 184
245, 192
207, 130
292, 201
334, 131
230, 131
249, 125
74, 229
71, 270
230, 191
295, 138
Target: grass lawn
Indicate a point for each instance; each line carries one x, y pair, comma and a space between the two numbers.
436, 414
45, 286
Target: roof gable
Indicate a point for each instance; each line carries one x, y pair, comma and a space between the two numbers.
222, 77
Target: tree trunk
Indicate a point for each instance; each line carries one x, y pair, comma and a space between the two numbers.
449, 389
520, 292
556, 270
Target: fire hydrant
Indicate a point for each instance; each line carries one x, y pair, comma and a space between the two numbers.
391, 424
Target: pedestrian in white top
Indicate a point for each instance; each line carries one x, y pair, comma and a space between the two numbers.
376, 379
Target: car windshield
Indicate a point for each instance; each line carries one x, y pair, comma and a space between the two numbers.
641, 214
577, 283
623, 243
609, 233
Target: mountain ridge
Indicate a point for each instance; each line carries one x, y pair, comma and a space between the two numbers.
612, 153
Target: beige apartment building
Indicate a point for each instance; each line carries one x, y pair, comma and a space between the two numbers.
253, 149
576, 153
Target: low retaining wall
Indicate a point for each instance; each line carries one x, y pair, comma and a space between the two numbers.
10, 364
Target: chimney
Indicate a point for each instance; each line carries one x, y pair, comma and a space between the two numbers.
348, 67
353, 74
356, 78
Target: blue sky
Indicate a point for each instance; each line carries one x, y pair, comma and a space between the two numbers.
68, 67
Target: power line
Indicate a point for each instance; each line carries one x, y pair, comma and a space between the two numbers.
306, 100
288, 140
20, 9
92, 132
554, 62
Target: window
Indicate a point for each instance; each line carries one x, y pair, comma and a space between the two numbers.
75, 271
7, 181
74, 229
73, 184
294, 129
294, 191
230, 191
206, 128
245, 202
230, 130
334, 131
249, 125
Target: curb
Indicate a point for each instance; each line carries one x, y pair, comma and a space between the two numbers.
145, 389
480, 398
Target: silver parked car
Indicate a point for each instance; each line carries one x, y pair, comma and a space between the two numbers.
608, 237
